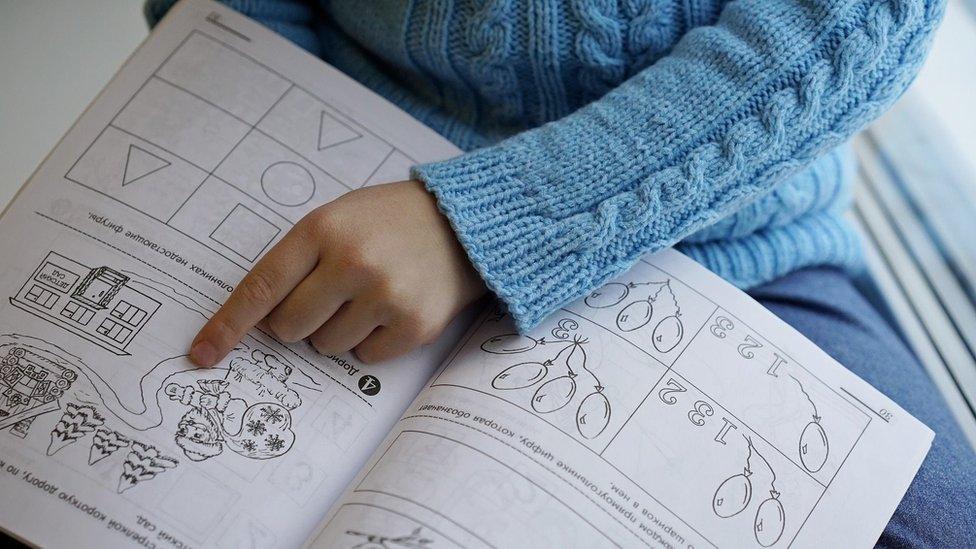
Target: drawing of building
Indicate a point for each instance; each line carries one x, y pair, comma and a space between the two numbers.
95, 304
30, 385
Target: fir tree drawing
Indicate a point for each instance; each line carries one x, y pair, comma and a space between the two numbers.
76, 422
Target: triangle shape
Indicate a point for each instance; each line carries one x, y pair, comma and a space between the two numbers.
139, 163
334, 132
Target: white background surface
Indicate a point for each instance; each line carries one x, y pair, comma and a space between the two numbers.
55, 55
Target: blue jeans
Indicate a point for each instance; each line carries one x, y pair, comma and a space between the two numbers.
939, 509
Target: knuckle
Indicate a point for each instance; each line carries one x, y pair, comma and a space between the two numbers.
282, 329
259, 287
371, 353
317, 223
320, 345
367, 354
362, 270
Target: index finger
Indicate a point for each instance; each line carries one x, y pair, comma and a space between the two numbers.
271, 280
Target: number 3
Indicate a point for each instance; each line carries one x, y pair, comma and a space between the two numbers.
698, 413
722, 324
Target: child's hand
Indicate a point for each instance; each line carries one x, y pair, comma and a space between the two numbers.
378, 270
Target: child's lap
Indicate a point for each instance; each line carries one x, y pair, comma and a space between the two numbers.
939, 509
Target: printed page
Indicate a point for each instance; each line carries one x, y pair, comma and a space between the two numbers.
213, 140
667, 409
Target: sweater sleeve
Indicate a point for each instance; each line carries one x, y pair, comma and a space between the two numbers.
293, 19
554, 212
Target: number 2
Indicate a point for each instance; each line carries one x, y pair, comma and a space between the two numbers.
666, 395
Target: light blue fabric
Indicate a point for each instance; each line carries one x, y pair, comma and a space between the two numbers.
939, 509
600, 130
715, 125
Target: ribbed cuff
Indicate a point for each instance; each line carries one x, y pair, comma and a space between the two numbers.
491, 198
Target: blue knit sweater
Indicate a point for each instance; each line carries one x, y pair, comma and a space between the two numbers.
600, 130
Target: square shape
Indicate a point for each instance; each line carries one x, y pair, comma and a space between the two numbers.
223, 77
245, 232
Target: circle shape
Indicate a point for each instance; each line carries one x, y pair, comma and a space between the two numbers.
288, 183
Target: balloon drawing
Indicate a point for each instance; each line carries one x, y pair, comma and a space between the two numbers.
814, 447
734, 495
554, 392
661, 304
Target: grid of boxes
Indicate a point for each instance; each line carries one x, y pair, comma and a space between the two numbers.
230, 153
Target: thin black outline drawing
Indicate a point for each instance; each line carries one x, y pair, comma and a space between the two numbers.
594, 410
142, 463
413, 540
106, 442
254, 127
240, 253
126, 180
740, 485
637, 314
813, 436
217, 418
29, 368
268, 373
95, 293
319, 146
300, 201
77, 422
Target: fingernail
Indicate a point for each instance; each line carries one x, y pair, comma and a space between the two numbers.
203, 353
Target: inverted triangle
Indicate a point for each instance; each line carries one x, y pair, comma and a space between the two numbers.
334, 132
139, 163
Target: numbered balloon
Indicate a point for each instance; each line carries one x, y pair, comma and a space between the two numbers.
509, 344
667, 334
593, 415
520, 376
635, 316
553, 394
813, 447
607, 296
732, 496
770, 522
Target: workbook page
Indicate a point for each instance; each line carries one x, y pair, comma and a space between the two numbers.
215, 138
666, 409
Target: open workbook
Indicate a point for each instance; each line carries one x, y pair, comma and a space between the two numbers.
666, 409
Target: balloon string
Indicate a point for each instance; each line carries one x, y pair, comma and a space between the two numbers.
804, 391
772, 483
589, 371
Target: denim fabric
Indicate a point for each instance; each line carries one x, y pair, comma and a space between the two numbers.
939, 509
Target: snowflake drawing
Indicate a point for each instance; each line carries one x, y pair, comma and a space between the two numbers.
249, 445
272, 414
255, 427
274, 443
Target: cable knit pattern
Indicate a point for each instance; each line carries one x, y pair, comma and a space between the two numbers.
649, 30
488, 38
599, 45
715, 126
